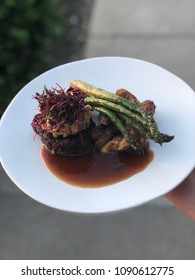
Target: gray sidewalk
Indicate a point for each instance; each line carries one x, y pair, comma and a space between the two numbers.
161, 32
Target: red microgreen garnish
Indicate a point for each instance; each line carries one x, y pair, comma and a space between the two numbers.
58, 106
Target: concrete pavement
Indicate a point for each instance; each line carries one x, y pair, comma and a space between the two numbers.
161, 32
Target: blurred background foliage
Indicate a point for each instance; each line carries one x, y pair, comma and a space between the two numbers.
27, 29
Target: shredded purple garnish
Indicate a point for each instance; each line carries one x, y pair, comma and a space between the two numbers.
58, 106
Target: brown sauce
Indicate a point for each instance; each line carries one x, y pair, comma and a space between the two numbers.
95, 169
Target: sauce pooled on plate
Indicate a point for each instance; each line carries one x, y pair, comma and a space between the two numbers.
95, 169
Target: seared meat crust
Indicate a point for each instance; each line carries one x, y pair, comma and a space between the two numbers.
71, 145
120, 143
104, 120
102, 134
128, 95
146, 105
109, 142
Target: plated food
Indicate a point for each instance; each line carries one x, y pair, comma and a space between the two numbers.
66, 126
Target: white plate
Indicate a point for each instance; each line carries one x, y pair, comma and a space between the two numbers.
175, 115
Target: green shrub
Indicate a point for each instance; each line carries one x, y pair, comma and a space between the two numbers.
27, 27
